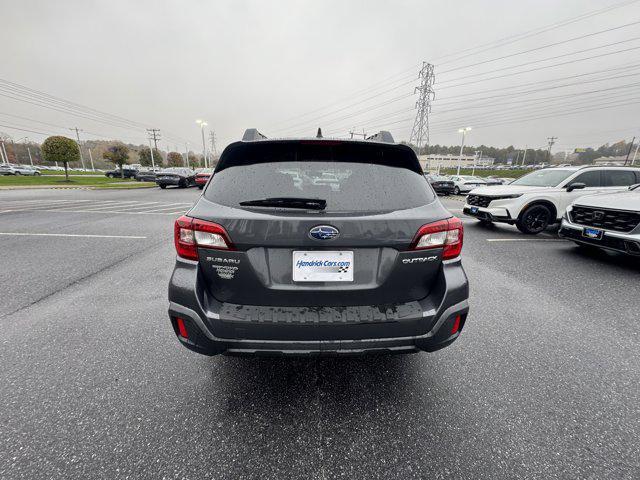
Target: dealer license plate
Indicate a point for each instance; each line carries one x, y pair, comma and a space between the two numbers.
322, 266
594, 233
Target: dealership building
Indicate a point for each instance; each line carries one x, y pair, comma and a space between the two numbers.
435, 162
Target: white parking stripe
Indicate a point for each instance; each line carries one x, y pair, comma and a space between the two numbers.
525, 240
24, 234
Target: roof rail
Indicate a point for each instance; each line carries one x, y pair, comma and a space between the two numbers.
382, 136
252, 134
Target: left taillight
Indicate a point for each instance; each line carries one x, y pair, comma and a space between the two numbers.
446, 234
193, 233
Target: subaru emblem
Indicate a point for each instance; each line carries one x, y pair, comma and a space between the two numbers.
324, 232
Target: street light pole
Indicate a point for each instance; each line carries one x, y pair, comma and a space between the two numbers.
463, 131
203, 124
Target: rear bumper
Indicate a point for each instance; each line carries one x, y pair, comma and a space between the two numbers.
628, 243
444, 189
169, 181
426, 325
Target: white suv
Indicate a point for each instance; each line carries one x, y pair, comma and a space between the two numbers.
540, 198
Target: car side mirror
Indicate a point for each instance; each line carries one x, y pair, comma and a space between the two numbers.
575, 186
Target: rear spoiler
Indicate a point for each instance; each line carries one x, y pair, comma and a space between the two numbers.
252, 135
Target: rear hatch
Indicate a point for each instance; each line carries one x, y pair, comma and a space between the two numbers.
355, 251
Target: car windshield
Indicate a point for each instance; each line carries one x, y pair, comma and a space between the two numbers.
544, 178
354, 187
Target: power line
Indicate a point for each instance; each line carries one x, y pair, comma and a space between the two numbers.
521, 36
581, 37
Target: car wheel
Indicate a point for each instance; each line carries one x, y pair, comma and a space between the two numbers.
18, 173
534, 219
162, 186
37, 174
456, 191
182, 184
110, 175
200, 187
486, 223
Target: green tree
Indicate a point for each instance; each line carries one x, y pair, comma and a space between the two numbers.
174, 159
118, 154
61, 149
194, 160
145, 157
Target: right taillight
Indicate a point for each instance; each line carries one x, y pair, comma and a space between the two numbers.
446, 234
193, 233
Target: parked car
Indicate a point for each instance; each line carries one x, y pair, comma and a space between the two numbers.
539, 199
145, 176
19, 170
7, 169
126, 173
176, 176
606, 221
202, 176
267, 267
493, 181
465, 183
441, 184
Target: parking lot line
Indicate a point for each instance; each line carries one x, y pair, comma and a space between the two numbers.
26, 234
525, 240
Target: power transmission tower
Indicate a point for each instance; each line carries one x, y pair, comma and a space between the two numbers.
212, 139
420, 131
78, 130
552, 140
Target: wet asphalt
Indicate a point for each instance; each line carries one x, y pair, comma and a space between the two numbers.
544, 381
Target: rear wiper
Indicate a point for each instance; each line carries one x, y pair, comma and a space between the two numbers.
288, 202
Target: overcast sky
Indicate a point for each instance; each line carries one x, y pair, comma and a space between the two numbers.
289, 67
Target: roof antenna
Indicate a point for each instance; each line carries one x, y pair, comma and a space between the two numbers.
319, 135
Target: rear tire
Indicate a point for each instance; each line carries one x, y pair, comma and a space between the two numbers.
200, 187
162, 186
456, 191
535, 219
110, 175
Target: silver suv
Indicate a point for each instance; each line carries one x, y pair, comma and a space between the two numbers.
611, 222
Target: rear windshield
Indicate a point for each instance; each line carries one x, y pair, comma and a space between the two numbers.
346, 186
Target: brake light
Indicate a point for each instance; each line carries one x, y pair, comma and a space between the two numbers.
446, 234
182, 330
193, 233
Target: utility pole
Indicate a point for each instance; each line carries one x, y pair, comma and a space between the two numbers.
3, 153
635, 153
77, 130
186, 156
629, 151
420, 130
526, 147
154, 134
552, 140
153, 162
91, 158
463, 131
28, 150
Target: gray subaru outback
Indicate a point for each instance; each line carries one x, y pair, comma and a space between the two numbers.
317, 247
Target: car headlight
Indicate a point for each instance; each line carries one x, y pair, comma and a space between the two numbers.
504, 197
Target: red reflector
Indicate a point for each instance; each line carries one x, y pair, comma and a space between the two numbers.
182, 330
456, 325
